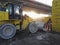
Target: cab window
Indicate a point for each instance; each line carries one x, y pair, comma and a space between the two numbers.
9, 9
16, 10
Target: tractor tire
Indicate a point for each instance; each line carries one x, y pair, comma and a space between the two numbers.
33, 27
7, 31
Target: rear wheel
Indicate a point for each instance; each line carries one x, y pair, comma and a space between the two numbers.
7, 31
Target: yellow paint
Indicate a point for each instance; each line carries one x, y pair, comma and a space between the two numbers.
56, 16
25, 24
4, 15
26, 21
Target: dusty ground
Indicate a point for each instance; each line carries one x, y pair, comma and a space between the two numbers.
39, 38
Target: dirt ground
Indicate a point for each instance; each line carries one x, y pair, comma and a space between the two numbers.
39, 38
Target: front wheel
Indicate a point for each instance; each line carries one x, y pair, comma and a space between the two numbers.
7, 31
33, 28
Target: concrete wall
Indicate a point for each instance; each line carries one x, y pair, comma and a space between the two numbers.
28, 9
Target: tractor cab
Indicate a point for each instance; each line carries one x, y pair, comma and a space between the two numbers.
14, 11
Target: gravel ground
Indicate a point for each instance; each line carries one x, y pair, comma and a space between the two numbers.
39, 38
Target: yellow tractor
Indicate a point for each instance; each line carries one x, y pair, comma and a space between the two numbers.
11, 20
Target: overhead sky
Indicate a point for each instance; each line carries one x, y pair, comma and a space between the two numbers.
47, 2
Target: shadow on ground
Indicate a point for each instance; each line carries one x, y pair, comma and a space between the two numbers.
39, 38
